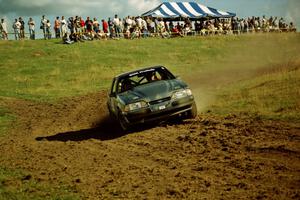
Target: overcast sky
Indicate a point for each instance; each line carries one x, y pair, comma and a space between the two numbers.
10, 9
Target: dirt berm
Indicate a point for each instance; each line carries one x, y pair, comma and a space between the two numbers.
72, 142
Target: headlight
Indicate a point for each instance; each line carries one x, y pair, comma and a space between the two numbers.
181, 94
135, 106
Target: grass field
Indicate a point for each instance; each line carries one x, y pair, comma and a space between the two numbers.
45, 70
254, 74
272, 95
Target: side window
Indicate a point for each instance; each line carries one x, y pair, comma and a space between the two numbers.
118, 86
114, 86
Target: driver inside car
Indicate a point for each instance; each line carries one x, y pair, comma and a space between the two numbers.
126, 85
151, 77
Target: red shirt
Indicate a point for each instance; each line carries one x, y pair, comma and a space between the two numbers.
82, 23
105, 26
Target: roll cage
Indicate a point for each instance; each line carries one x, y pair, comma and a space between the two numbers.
130, 80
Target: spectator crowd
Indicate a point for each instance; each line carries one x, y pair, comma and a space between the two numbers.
76, 28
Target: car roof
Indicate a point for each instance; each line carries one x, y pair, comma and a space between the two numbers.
139, 71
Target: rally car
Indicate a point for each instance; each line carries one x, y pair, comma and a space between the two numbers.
148, 95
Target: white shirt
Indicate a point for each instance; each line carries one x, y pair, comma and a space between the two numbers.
116, 21
4, 27
63, 23
139, 22
44, 22
129, 21
144, 24
96, 23
31, 25
48, 24
17, 25
162, 24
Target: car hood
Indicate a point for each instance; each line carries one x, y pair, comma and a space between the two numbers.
152, 91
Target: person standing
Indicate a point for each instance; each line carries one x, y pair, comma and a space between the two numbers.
31, 25
16, 27
57, 27
138, 21
76, 24
48, 29
3, 29
71, 25
88, 25
22, 28
117, 26
145, 29
96, 25
43, 26
110, 26
64, 26
82, 25
128, 23
105, 26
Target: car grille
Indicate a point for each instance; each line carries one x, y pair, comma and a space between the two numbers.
169, 112
159, 101
162, 114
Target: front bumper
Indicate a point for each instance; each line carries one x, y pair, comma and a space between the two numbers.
160, 111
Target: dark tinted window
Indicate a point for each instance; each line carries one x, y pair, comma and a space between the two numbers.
143, 77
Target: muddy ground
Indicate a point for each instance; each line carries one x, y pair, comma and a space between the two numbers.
72, 142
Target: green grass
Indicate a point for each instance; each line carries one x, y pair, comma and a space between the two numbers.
274, 95
43, 70
15, 184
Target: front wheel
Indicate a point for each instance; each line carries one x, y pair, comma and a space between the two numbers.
123, 122
193, 112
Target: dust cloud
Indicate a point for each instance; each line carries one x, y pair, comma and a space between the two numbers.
244, 60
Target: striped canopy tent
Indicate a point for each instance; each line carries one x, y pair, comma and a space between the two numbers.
192, 10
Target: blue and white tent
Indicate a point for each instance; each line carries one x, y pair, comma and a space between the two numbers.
192, 10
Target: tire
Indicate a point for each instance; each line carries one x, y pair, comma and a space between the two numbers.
193, 112
122, 122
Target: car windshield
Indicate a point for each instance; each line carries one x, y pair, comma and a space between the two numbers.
143, 77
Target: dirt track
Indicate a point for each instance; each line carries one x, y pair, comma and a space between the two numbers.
72, 142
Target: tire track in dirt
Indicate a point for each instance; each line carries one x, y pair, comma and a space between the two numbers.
72, 142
